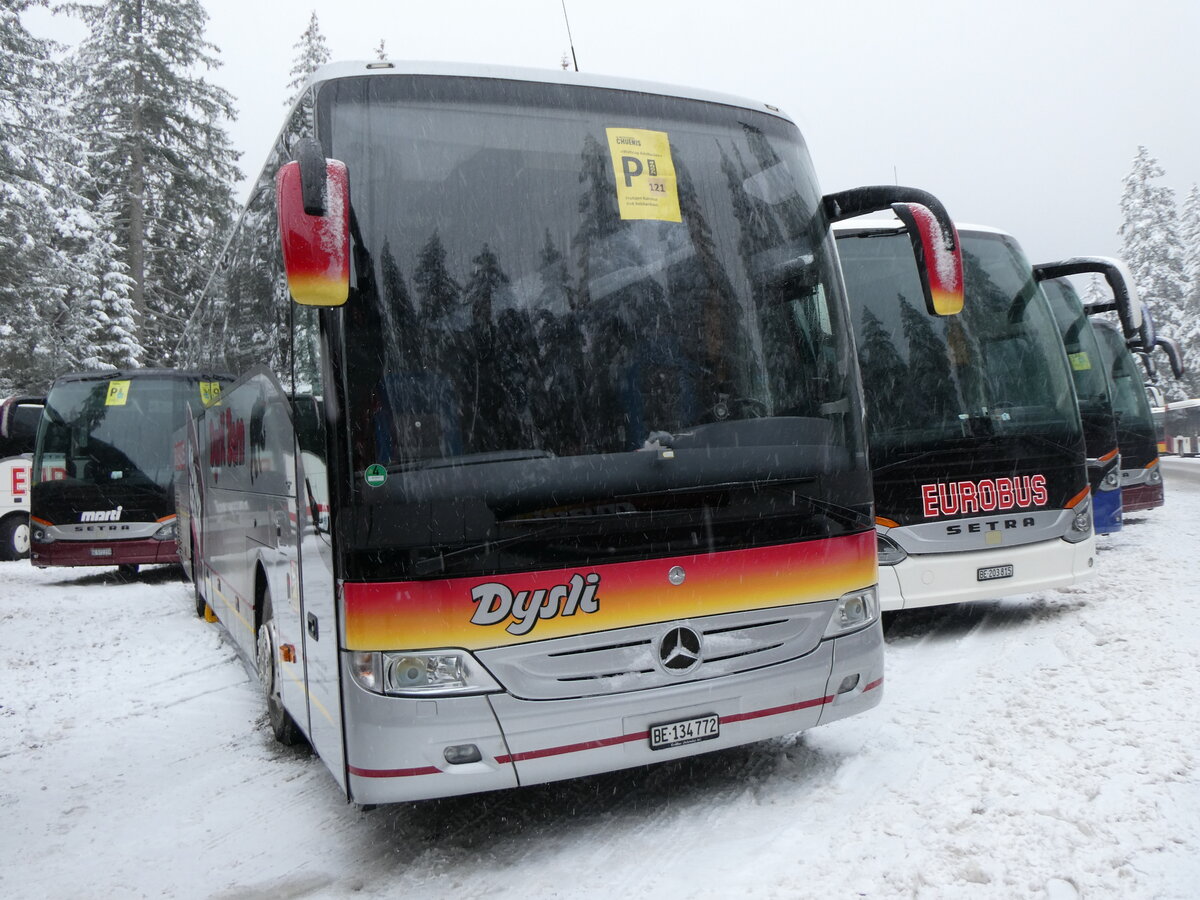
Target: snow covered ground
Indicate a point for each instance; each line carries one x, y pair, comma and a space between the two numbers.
1040, 746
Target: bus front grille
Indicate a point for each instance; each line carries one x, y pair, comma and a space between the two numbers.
631, 659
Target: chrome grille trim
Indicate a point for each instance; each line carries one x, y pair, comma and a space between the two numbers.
627, 659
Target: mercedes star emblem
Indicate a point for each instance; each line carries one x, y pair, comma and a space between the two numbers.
679, 650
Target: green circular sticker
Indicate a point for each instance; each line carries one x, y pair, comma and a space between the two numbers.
375, 475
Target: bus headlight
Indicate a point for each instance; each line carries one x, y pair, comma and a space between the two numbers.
1081, 521
853, 611
166, 532
40, 535
889, 551
1111, 481
425, 674
1155, 476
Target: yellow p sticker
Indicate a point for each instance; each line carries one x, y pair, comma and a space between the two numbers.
118, 393
1080, 361
210, 392
645, 173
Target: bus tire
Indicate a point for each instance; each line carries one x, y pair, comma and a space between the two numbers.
127, 571
201, 603
14, 537
283, 726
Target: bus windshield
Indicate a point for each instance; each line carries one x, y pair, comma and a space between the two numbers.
521, 352
1130, 404
992, 372
1087, 366
92, 436
1091, 385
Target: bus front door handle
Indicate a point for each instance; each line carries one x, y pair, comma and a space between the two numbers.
314, 629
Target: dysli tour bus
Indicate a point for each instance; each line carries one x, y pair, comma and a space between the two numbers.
981, 485
103, 486
553, 463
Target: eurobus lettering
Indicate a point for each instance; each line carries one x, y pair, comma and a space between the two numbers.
989, 495
555, 462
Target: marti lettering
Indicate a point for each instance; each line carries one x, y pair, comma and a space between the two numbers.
497, 602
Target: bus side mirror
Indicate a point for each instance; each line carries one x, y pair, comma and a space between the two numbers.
1147, 363
1149, 333
939, 258
1174, 354
313, 197
930, 228
1124, 302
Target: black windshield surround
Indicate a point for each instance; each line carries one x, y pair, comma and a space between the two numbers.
984, 394
96, 451
535, 382
1088, 371
1136, 433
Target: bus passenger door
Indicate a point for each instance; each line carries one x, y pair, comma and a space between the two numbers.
316, 587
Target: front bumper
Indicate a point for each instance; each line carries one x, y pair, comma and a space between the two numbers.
396, 746
139, 551
933, 579
1137, 497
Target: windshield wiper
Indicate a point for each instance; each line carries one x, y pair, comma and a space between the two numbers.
470, 459
438, 563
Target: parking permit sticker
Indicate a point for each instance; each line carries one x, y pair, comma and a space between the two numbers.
645, 173
210, 392
1080, 361
118, 393
375, 475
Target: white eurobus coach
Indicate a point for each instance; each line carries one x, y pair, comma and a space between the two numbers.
545, 453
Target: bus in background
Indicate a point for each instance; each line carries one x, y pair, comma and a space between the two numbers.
977, 450
586, 486
1179, 427
1093, 393
1141, 476
18, 433
1137, 434
1160, 432
103, 469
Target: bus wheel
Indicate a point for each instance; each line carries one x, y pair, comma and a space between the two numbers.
201, 603
282, 725
14, 538
127, 571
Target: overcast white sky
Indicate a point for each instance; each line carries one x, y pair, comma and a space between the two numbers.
1021, 114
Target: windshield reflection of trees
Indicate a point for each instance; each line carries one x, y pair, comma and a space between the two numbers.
103, 444
964, 379
649, 340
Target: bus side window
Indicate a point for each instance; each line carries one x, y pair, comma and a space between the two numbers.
308, 414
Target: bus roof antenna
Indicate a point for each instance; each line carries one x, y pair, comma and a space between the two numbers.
570, 40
